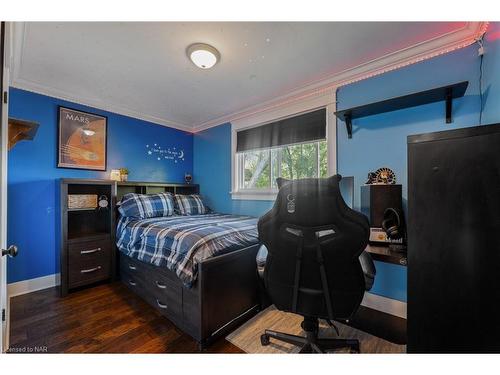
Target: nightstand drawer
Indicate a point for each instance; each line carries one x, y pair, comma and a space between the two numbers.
88, 250
87, 233
89, 271
88, 261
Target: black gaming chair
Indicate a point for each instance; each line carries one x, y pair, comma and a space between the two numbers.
313, 267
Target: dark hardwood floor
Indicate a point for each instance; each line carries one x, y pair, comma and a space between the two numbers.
104, 319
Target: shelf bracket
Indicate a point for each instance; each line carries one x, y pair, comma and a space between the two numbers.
348, 124
449, 101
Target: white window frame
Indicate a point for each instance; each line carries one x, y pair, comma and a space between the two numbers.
239, 170
325, 100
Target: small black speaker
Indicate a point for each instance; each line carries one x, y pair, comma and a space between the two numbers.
375, 200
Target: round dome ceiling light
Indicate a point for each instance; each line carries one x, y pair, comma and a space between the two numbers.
203, 55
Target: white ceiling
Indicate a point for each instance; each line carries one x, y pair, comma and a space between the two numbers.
141, 69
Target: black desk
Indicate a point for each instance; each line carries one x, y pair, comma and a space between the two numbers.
384, 254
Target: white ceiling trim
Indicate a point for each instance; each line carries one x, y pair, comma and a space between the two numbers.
451, 41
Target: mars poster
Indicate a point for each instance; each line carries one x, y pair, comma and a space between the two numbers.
82, 140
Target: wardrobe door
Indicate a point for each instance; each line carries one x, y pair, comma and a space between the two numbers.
454, 241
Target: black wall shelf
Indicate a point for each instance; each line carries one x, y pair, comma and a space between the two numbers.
446, 93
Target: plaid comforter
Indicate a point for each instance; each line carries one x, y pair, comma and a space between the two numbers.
180, 243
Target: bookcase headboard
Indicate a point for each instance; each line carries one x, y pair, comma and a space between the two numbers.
126, 187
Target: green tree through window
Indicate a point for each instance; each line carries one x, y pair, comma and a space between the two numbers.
262, 167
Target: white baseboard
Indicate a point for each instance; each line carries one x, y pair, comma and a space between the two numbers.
384, 304
32, 285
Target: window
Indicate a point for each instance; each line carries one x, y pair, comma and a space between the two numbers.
260, 168
292, 148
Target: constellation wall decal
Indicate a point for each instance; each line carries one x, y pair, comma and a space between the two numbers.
162, 154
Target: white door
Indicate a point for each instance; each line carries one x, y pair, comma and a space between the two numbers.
4, 75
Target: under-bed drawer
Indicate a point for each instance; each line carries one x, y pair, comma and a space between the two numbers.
168, 305
139, 267
153, 285
132, 266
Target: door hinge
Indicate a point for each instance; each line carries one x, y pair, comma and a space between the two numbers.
3, 315
5, 97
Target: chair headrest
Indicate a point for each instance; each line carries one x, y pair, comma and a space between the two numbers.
309, 201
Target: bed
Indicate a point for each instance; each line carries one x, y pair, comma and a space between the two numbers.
198, 271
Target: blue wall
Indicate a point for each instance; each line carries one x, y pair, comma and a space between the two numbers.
32, 174
377, 140
381, 140
212, 170
491, 75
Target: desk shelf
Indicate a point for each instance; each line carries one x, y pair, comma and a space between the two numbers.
385, 254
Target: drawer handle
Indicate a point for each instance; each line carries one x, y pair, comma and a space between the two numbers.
132, 282
160, 285
90, 251
160, 305
133, 268
90, 270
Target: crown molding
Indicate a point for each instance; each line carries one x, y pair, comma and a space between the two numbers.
24, 84
312, 91
94, 103
459, 38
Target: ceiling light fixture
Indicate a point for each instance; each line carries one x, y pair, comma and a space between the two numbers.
203, 55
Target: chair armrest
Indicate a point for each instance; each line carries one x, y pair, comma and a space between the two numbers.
369, 270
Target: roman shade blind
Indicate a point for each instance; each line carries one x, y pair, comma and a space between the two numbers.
308, 127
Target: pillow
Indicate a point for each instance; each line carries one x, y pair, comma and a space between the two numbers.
143, 206
190, 205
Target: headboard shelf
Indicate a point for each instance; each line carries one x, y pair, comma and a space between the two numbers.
141, 183
139, 187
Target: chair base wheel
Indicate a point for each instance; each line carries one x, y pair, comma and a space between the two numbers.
354, 349
264, 340
311, 343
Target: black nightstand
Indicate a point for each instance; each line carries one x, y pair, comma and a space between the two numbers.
87, 235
